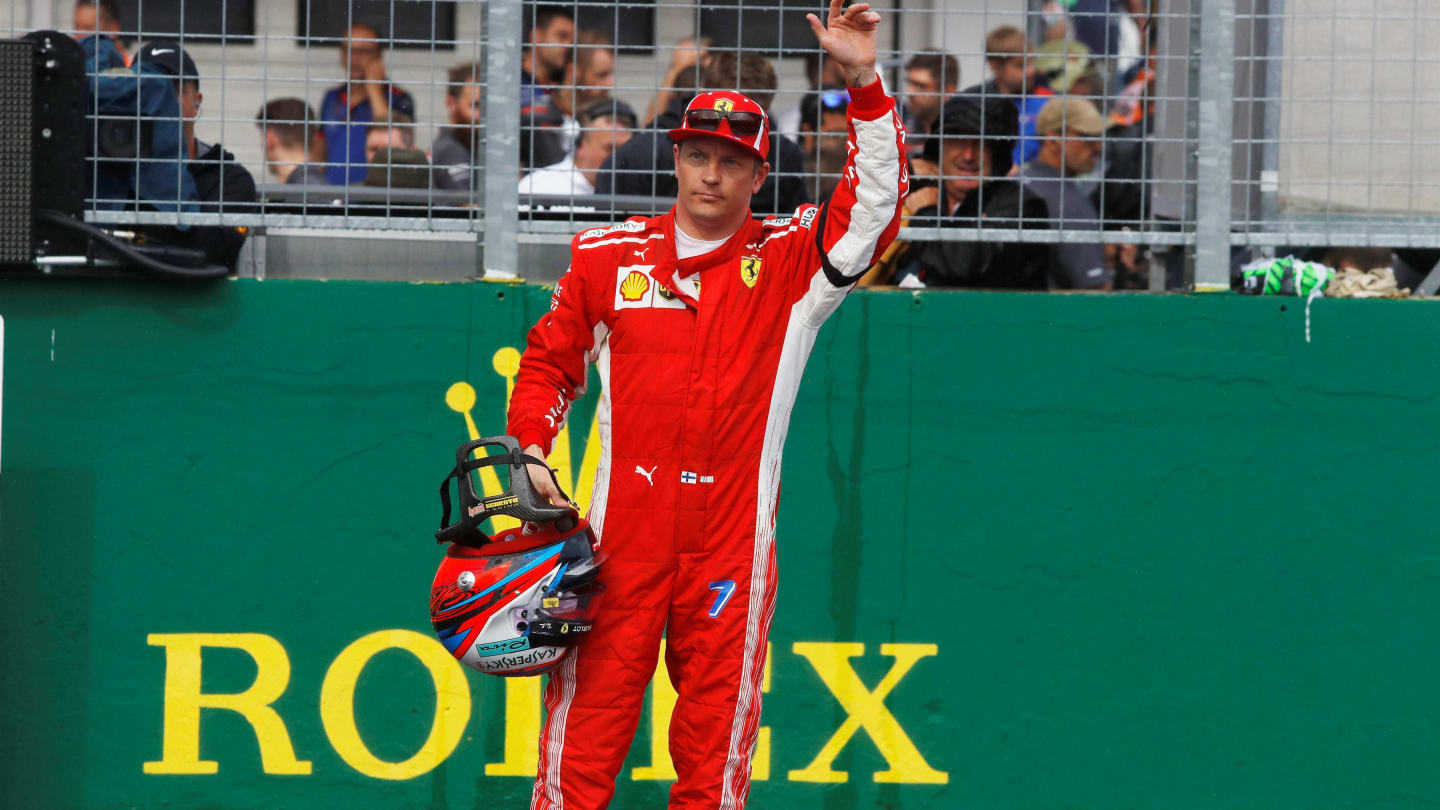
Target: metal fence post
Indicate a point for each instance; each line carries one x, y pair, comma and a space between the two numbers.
1214, 173
1274, 75
503, 34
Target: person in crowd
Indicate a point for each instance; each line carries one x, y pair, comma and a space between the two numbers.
639, 180
393, 159
681, 89
686, 54
292, 138
348, 109
1013, 74
455, 149
646, 166
550, 130
1108, 29
394, 131
542, 65
820, 71
1069, 69
977, 139
99, 18
824, 128
605, 125
930, 78
222, 185
1072, 129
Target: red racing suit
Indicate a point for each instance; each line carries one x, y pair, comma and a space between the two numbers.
697, 390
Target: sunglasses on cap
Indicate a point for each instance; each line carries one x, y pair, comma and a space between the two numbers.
741, 123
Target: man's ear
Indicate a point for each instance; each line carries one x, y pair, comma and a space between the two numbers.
760, 175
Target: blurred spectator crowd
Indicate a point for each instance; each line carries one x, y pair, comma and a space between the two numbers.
1052, 138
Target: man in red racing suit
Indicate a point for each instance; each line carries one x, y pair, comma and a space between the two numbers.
699, 323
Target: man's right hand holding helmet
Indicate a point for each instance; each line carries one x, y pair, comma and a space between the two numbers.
542, 480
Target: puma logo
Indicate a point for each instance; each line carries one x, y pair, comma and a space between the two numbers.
652, 470
640, 254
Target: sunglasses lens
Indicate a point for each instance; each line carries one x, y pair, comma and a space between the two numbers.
744, 123
703, 119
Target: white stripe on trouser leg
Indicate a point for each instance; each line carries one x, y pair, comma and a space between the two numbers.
555, 734
799, 339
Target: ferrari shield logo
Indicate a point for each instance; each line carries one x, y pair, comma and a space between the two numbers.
724, 105
750, 270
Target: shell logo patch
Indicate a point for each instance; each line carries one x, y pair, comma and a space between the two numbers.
724, 105
750, 270
634, 287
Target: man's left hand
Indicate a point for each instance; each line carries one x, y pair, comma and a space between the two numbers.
850, 40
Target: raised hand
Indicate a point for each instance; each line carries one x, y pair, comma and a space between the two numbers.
850, 39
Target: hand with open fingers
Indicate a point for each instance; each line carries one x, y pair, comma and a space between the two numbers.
850, 39
542, 480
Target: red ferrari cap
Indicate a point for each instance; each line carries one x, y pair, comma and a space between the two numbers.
715, 115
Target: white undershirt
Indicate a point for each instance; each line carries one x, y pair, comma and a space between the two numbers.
688, 247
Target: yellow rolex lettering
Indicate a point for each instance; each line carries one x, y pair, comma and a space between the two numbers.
180, 746
522, 729
452, 704
760, 763
866, 709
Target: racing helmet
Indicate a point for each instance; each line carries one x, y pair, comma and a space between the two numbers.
512, 604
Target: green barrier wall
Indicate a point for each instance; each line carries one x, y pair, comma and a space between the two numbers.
1035, 552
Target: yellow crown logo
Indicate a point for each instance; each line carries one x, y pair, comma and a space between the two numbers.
634, 286
460, 397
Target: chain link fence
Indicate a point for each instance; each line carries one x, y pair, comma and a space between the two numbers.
1123, 144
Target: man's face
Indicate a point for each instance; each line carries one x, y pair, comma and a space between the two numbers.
964, 163
597, 79
361, 50
379, 139
279, 154
551, 44
190, 99
88, 18
1081, 153
716, 178
465, 107
1013, 74
602, 137
922, 92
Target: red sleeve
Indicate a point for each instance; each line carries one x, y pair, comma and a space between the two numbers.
863, 215
558, 351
